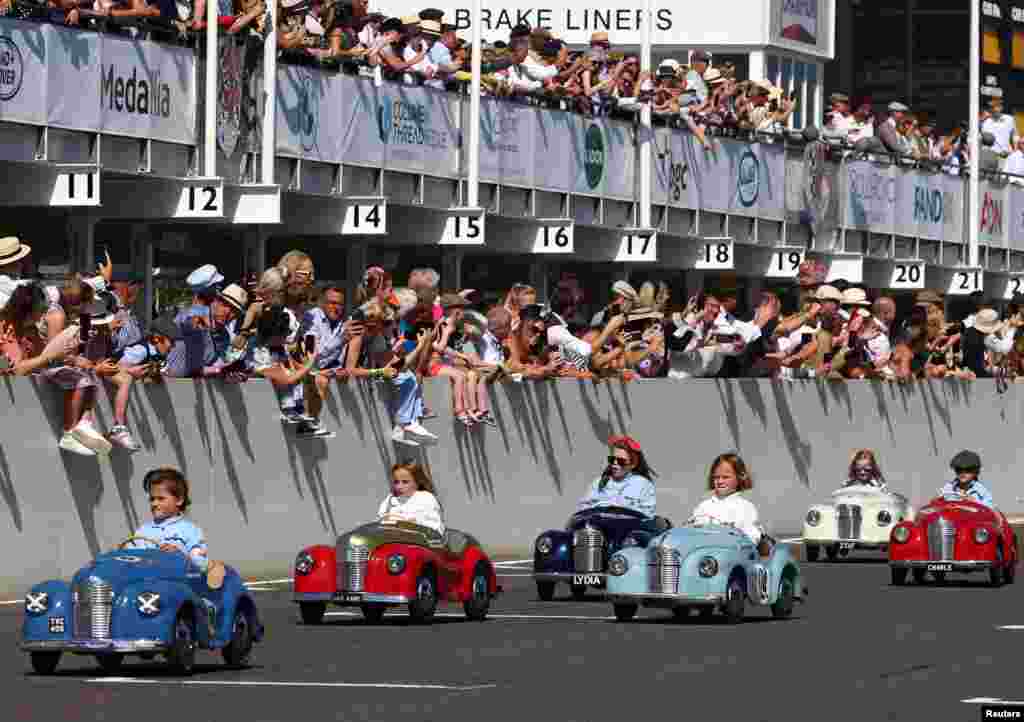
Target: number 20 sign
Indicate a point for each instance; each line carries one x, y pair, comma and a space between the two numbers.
907, 275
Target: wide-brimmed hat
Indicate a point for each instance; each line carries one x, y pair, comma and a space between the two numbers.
987, 321
410, 20
828, 293
644, 312
839, 98
452, 300
926, 298
895, 107
430, 27
713, 76
235, 296
855, 297
621, 288
12, 249
599, 38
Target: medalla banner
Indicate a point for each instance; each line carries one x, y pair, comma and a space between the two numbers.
928, 205
506, 141
22, 72
869, 196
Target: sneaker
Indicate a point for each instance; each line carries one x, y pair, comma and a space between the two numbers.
121, 436
292, 417
399, 437
86, 434
70, 443
307, 430
417, 429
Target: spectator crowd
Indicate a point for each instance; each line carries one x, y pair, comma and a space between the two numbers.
302, 338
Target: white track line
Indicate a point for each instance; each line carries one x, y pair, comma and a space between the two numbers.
513, 562
794, 540
1012, 627
990, 700
243, 683
489, 616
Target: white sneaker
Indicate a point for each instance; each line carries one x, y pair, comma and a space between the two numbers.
70, 443
417, 429
86, 434
398, 436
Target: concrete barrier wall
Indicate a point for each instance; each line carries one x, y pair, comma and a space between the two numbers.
260, 494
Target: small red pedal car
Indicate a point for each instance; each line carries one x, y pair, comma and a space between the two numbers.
953, 534
387, 564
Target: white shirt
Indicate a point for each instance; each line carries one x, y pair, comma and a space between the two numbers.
1015, 165
1002, 127
735, 510
421, 508
7, 287
423, 67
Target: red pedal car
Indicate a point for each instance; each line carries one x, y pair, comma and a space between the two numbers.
386, 564
953, 534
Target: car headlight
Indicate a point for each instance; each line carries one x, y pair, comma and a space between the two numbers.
148, 603
814, 517
901, 534
630, 541
884, 518
708, 567
304, 563
396, 563
544, 545
618, 565
37, 602
982, 535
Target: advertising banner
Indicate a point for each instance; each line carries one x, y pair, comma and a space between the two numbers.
583, 155
800, 21
94, 82
506, 141
1015, 198
994, 223
928, 205
869, 196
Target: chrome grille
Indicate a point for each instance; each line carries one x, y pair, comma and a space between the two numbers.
352, 573
588, 550
757, 583
848, 520
941, 536
664, 568
93, 604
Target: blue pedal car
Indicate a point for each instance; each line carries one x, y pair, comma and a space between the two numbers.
141, 602
707, 568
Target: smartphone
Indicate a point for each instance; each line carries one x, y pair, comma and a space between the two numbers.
310, 343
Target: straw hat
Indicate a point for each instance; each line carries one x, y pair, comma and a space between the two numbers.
12, 249
430, 27
855, 297
828, 293
599, 38
235, 296
987, 321
713, 76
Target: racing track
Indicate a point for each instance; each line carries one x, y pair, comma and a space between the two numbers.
860, 650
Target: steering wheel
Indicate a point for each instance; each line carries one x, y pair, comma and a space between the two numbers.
151, 540
611, 510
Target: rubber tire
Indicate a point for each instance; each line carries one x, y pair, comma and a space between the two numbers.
423, 606
579, 592
1010, 573
736, 601
939, 577
236, 653
783, 606
625, 612
832, 552
312, 612
181, 657
372, 613
995, 574
681, 614
44, 663
899, 576
110, 663
811, 551
707, 611
546, 591
919, 575
478, 604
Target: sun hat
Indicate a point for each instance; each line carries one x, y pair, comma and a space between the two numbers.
452, 300
926, 298
987, 321
12, 249
713, 75
839, 98
621, 288
828, 293
599, 38
896, 107
430, 27
643, 312
204, 278
855, 297
235, 296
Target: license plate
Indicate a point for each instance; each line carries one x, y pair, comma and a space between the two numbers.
351, 597
940, 567
56, 625
592, 579
847, 546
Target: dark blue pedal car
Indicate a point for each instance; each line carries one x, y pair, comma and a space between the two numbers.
141, 602
579, 555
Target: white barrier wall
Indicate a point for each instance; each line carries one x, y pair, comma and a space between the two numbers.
260, 494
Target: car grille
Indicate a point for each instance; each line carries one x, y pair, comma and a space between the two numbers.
664, 569
941, 536
93, 604
588, 550
352, 573
757, 583
848, 521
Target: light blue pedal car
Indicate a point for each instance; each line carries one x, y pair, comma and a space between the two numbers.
707, 568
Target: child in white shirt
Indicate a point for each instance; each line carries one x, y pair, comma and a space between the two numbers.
727, 479
412, 498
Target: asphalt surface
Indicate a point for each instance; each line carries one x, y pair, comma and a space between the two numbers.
858, 650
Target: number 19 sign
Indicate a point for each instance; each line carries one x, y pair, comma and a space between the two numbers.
785, 263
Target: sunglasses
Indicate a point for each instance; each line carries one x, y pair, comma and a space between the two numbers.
617, 461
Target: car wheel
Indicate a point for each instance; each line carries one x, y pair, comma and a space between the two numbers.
236, 654
579, 592
735, 602
625, 612
707, 612
899, 576
312, 612
44, 662
832, 552
811, 551
783, 607
681, 614
1010, 573
182, 655
372, 613
110, 663
919, 575
995, 574
479, 601
546, 591
939, 577
423, 606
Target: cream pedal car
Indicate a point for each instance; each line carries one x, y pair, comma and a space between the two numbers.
861, 516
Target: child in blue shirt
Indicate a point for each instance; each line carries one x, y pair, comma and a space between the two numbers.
168, 491
967, 467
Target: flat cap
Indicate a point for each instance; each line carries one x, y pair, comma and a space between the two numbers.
895, 107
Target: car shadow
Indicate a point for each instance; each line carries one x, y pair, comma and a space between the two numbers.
948, 584
825, 563
350, 622
696, 621
144, 669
